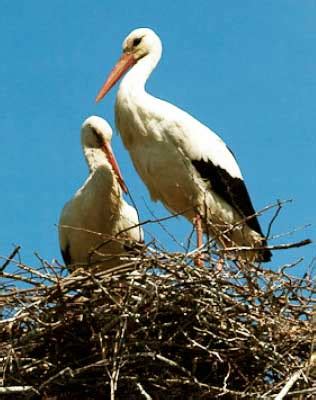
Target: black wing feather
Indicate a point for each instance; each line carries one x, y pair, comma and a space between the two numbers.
232, 190
66, 254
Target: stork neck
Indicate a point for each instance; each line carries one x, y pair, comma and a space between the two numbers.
95, 158
137, 76
103, 186
101, 173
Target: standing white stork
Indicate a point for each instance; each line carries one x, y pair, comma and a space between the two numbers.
97, 225
183, 163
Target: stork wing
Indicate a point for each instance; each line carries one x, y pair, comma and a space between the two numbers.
65, 252
210, 156
232, 190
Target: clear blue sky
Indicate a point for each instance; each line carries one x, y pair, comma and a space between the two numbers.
244, 68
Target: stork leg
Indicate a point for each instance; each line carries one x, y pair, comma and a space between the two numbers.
199, 238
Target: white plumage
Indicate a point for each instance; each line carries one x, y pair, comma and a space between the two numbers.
91, 222
183, 163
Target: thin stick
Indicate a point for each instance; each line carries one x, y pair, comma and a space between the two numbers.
143, 391
9, 259
276, 247
15, 389
288, 385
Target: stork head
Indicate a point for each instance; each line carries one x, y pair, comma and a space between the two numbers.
141, 43
96, 135
95, 132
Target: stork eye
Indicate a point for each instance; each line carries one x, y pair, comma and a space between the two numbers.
95, 132
137, 41
97, 135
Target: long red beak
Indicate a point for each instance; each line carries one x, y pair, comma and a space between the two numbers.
126, 61
112, 160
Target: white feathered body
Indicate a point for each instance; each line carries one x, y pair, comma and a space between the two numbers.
91, 220
162, 141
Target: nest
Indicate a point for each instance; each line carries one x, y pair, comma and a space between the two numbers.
157, 327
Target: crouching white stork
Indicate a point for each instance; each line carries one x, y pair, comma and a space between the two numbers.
97, 226
183, 163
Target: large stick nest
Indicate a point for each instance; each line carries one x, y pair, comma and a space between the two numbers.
156, 328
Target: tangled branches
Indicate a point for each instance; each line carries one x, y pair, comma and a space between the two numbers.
157, 327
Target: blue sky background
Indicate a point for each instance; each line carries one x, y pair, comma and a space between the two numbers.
244, 68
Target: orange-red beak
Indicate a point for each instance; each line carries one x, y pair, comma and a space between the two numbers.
112, 160
126, 61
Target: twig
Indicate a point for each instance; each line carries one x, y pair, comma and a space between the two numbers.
143, 391
275, 247
15, 389
289, 384
10, 258
277, 212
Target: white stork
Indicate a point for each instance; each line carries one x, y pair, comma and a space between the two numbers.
183, 163
97, 225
